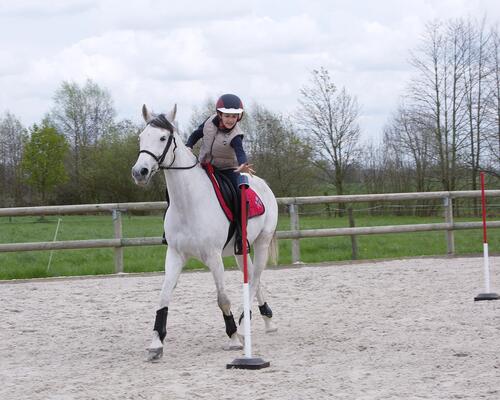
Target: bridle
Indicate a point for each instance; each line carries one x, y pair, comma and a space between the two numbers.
161, 122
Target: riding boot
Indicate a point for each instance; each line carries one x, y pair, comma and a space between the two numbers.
238, 240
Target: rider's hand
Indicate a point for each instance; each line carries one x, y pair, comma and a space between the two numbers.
247, 168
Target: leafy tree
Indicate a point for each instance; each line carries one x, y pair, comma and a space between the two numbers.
200, 114
279, 154
43, 157
109, 168
83, 114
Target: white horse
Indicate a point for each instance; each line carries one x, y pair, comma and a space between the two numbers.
195, 225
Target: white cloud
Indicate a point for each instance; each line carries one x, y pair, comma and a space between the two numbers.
37, 8
158, 52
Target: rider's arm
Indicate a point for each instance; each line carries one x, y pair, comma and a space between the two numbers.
195, 136
237, 145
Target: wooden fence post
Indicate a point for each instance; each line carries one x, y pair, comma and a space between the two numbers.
448, 215
294, 226
354, 241
117, 222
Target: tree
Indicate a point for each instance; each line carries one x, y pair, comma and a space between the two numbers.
200, 114
12, 135
330, 118
436, 94
279, 155
408, 137
492, 139
43, 159
454, 88
83, 114
386, 169
109, 167
478, 69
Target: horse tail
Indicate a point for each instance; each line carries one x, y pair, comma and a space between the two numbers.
274, 250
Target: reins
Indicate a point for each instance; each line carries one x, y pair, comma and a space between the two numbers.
161, 122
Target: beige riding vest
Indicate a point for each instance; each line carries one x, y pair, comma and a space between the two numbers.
215, 146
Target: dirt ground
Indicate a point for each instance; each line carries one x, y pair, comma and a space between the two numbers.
404, 329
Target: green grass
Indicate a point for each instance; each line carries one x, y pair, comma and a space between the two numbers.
383, 246
151, 258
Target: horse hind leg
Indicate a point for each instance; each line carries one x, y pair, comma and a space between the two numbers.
261, 255
255, 269
265, 312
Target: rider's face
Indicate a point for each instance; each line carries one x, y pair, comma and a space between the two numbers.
229, 120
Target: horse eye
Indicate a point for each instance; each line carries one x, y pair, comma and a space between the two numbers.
163, 138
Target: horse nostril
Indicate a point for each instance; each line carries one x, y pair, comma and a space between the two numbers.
144, 171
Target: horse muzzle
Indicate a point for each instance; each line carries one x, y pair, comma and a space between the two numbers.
141, 175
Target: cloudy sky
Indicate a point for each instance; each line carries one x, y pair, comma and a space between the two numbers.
164, 52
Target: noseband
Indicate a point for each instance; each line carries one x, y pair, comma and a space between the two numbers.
161, 122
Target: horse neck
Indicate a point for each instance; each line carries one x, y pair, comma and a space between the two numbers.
184, 185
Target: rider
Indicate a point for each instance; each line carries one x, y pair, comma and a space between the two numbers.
222, 143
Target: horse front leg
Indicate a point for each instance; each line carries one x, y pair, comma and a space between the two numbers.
216, 266
174, 262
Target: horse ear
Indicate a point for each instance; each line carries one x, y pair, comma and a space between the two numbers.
145, 113
173, 113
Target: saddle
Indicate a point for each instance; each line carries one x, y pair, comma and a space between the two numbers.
229, 201
227, 196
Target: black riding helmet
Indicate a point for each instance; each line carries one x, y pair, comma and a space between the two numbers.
230, 104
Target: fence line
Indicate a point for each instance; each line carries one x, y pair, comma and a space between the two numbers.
295, 233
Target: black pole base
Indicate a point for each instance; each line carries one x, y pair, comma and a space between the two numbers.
486, 296
248, 363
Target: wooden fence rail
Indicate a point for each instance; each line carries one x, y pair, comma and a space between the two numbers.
295, 233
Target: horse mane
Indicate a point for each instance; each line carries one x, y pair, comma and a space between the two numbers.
160, 121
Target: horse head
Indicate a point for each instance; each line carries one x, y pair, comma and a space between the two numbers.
157, 145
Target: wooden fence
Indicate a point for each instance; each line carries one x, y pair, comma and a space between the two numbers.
295, 233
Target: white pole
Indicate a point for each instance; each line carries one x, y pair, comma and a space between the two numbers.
55, 237
486, 264
246, 290
487, 295
247, 362
246, 319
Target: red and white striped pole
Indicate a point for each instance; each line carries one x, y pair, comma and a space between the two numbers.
246, 289
247, 362
487, 295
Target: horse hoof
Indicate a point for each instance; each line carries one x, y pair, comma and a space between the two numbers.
241, 338
234, 343
155, 354
271, 330
231, 346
